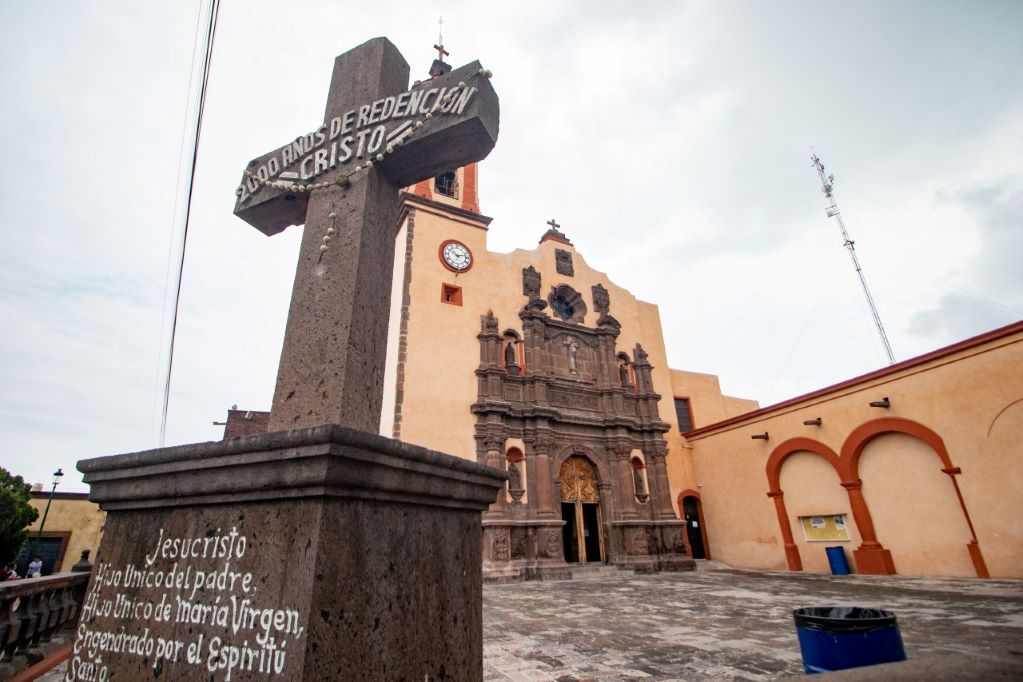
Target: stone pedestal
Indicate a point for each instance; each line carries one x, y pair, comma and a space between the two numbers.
322, 553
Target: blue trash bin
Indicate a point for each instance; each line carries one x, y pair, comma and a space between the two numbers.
837, 561
840, 637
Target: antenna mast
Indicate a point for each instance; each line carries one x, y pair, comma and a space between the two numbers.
827, 185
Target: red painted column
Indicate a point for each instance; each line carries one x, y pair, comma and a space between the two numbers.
871, 557
979, 565
791, 551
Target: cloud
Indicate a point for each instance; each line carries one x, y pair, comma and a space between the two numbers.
955, 315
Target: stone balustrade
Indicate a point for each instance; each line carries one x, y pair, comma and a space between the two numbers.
32, 610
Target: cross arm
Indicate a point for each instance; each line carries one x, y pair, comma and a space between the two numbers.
448, 141
445, 123
265, 207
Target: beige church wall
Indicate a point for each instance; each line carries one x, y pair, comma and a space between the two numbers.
707, 405
679, 462
965, 400
706, 401
997, 475
739, 518
74, 514
443, 351
736, 406
812, 488
914, 507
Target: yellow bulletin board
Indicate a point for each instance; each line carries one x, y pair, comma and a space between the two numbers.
824, 528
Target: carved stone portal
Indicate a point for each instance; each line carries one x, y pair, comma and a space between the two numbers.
580, 405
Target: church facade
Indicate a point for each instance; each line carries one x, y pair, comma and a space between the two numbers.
535, 363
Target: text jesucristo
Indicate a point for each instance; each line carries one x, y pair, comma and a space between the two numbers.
183, 581
359, 133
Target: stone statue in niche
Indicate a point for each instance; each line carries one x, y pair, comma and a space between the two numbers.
510, 362
640, 483
623, 371
515, 480
531, 288
500, 551
563, 262
573, 348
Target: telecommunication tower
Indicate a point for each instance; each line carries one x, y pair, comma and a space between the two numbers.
827, 186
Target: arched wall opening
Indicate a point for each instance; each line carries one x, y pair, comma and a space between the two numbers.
913, 503
997, 478
814, 497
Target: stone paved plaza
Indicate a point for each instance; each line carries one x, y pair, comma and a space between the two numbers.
723, 624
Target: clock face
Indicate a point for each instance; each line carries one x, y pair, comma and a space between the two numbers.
456, 256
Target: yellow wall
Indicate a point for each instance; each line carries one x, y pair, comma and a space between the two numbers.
82, 518
970, 395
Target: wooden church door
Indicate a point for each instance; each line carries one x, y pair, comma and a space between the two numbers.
580, 508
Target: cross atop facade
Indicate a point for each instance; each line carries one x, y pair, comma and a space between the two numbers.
554, 225
343, 182
441, 52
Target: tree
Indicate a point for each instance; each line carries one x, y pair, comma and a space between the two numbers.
15, 515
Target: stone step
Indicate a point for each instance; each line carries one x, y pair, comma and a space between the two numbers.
594, 571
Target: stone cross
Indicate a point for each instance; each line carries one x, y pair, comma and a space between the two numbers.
343, 182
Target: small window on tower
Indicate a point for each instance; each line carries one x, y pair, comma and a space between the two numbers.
445, 184
449, 293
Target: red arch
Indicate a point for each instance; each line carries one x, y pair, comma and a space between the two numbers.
774, 462
864, 433
791, 446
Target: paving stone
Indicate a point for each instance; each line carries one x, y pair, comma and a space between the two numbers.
723, 624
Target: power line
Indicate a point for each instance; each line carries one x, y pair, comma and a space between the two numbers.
211, 30
177, 197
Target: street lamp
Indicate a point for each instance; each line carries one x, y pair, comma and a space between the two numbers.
57, 475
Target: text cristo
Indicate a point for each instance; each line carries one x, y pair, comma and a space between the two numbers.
358, 133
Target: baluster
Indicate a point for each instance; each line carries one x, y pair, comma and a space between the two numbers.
8, 622
67, 604
19, 624
78, 595
37, 618
53, 607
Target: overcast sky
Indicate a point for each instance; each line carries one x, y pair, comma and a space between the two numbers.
671, 140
